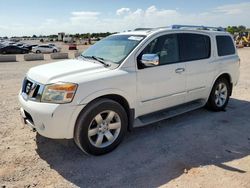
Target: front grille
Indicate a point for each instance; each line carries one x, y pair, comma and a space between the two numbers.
32, 90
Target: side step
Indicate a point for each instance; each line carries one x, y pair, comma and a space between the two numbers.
167, 113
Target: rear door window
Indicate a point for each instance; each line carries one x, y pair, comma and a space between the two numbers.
194, 46
225, 45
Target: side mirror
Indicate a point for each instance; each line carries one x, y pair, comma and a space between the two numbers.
150, 60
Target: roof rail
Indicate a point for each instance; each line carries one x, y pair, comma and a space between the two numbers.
199, 27
143, 29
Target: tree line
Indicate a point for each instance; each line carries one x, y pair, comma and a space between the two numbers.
237, 29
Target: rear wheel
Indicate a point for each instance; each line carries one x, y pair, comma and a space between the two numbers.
38, 51
219, 96
101, 127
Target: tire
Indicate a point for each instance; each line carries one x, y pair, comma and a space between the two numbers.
219, 95
38, 51
4, 52
95, 133
54, 51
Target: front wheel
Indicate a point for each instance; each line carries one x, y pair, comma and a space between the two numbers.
101, 127
54, 51
219, 96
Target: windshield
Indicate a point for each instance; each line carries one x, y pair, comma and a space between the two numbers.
114, 48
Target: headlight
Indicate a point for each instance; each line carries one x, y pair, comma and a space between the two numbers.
59, 93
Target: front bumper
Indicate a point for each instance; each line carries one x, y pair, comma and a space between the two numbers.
50, 120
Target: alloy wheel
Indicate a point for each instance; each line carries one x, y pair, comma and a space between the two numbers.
221, 94
104, 129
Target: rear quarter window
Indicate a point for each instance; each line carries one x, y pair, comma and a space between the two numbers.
225, 45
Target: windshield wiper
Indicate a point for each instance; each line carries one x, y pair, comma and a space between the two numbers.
101, 60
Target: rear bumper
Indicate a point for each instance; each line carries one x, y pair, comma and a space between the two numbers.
50, 120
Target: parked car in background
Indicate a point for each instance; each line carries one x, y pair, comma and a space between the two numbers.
51, 44
19, 44
72, 47
13, 50
45, 49
23, 45
30, 46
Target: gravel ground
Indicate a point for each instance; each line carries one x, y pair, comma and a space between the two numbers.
197, 149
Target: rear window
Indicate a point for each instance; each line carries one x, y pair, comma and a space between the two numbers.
194, 46
225, 45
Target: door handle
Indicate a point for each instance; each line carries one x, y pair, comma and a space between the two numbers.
179, 70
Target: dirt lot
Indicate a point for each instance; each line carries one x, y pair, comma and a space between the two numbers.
198, 149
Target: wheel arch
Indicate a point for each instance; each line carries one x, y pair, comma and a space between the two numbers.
124, 103
117, 97
228, 77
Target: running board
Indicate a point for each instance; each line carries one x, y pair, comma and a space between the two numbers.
168, 113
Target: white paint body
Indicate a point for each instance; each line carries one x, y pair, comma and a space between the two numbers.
146, 90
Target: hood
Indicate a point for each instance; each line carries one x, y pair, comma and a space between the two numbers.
48, 73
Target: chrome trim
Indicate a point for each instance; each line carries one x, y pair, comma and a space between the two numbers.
195, 89
179, 70
150, 60
170, 95
29, 95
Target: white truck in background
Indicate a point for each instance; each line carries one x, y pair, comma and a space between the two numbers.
68, 39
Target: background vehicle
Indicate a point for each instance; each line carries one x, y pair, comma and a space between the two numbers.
45, 49
13, 50
68, 38
51, 44
243, 39
72, 47
130, 80
30, 46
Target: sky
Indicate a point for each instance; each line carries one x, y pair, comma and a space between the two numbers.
44, 17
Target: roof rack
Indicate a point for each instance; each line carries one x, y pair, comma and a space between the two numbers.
143, 29
198, 27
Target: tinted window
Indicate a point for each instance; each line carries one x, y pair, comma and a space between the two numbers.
166, 47
225, 45
194, 46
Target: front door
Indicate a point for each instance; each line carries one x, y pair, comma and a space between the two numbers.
164, 85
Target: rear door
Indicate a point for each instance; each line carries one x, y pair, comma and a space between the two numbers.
195, 50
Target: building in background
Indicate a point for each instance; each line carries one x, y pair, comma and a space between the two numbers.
61, 36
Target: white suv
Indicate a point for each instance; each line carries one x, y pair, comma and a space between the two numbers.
130, 80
